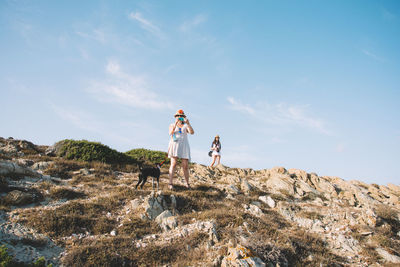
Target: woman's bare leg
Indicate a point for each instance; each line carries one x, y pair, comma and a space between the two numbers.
212, 163
172, 168
185, 167
219, 159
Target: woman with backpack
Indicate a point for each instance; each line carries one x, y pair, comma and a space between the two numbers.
216, 151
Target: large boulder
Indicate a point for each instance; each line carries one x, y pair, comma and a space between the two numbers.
281, 183
166, 220
268, 200
8, 168
323, 185
157, 203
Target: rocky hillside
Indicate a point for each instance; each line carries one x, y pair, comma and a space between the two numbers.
79, 213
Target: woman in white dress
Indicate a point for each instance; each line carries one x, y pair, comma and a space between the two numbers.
216, 151
178, 147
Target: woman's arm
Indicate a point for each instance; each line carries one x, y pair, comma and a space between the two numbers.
172, 127
189, 127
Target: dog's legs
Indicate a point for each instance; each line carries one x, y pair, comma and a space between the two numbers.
140, 179
144, 181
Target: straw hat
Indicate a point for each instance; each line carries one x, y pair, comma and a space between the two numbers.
180, 113
217, 136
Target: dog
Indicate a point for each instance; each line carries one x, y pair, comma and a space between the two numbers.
145, 172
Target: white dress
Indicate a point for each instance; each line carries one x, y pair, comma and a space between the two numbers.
178, 144
215, 152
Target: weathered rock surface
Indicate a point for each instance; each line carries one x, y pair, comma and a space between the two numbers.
387, 256
8, 168
241, 256
26, 244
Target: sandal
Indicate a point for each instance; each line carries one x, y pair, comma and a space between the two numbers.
188, 186
170, 186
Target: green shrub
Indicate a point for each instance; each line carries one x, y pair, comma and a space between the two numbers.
84, 150
5, 259
41, 262
147, 156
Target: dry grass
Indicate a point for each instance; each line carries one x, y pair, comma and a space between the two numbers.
137, 228
120, 251
63, 168
73, 217
65, 193
313, 215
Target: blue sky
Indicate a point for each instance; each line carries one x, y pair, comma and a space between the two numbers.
313, 85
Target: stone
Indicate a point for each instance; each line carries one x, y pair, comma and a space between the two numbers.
368, 217
347, 243
18, 198
113, 233
256, 203
135, 204
241, 256
154, 205
281, 183
246, 187
42, 165
254, 210
280, 170
302, 188
162, 216
323, 185
233, 189
268, 200
11, 168
166, 221
387, 256
303, 175
213, 234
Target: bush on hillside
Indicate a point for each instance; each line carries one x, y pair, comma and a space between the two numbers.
147, 156
84, 150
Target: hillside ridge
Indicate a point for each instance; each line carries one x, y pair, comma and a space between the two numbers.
86, 213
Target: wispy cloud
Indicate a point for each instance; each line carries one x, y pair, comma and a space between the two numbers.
190, 24
280, 114
96, 34
145, 23
88, 122
237, 105
387, 15
78, 118
170, 68
372, 55
127, 89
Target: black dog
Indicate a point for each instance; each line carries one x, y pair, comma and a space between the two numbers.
145, 172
